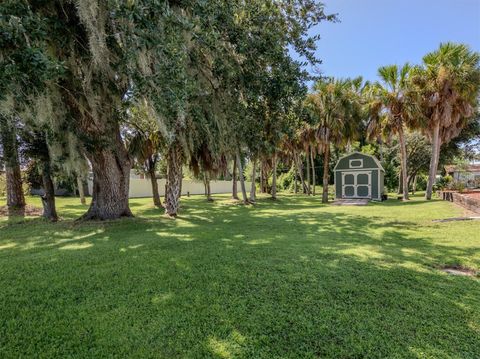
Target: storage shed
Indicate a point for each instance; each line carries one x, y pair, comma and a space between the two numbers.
358, 175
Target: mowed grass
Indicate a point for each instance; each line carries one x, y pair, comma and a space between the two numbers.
285, 279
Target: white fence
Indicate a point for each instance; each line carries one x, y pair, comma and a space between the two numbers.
143, 187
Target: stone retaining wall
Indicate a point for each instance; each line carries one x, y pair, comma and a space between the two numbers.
462, 199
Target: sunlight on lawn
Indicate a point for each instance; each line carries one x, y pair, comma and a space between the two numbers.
291, 276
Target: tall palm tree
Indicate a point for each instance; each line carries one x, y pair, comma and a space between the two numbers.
450, 82
396, 102
333, 108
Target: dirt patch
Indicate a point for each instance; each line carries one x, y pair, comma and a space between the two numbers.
459, 270
29, 211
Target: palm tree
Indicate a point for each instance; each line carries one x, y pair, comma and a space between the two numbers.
145, 147
450, 82
395, 100
333, 108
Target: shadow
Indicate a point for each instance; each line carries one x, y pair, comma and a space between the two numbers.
288, 278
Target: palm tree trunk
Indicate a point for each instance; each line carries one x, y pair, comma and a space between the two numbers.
242, 178
153, 179
433, 161
274, 176
48, 199
253, 196
299, 166
81, 192
326, 160
313, 171
308, 172
403, 159
234, 179
174, 180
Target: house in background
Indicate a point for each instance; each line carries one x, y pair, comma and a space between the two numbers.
468, 174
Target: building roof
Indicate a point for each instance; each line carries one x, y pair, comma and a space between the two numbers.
468, 168
360, 153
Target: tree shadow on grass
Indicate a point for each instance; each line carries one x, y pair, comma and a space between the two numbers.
239, 282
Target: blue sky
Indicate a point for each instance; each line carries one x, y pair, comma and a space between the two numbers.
372, 33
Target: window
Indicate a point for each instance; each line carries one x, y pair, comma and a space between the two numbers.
356, 163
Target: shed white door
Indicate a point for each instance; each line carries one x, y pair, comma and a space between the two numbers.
357, 184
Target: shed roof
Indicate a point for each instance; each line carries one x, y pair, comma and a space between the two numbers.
363, 154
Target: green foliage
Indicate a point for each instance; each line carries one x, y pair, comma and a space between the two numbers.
285, 182
3, 185
113, 289
444, 182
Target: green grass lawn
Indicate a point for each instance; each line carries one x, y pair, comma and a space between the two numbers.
285, 279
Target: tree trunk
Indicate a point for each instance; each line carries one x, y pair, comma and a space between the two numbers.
414, 184
13, 175
299, 166
234, 179
174, 180
242, 178
262, 165
48, 199
403, 159
111, 180
433, 161
253, 196
309, 192
274, 176
313, 171
326, 160
400, 185
81, 191
209, 191
295, 187
153, 179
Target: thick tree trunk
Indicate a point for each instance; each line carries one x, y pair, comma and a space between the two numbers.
274, 176
313, 171
48, 199
81, 192
326, 160
111, 180
13, 175
433, 161
253, 195
153, 179
15, 197
234, 179
307, 157
174, 180
242, 178
403, 159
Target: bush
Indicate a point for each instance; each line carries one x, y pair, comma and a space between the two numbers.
285, 181
443, 183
